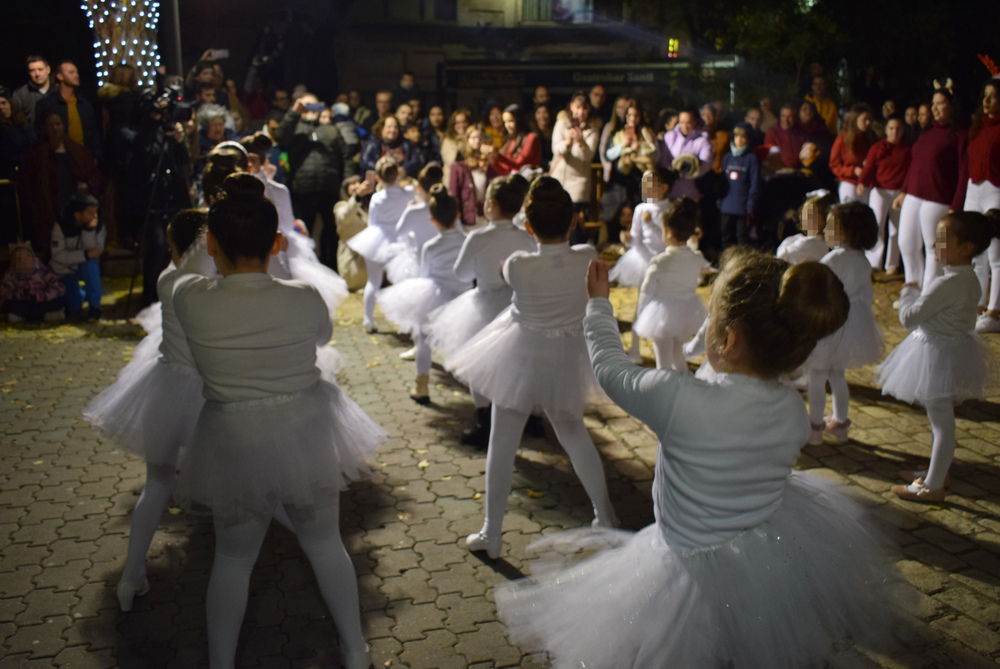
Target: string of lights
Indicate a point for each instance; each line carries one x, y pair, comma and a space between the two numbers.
125, 34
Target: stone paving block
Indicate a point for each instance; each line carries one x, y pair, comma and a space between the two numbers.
436, 651
464, 614
411, 584
489, 642
415, 621
971, 633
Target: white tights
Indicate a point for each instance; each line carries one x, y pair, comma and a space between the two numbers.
881, 203
423, 358
375, 273
941, 414
982, 197
817, 379
146, 517
236, 549
505, 437
918, 221
670, 354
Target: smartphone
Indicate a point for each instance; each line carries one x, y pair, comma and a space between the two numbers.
370, 178
315, 107
575, 122
218, 54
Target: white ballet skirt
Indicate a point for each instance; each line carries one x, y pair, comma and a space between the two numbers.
373, 244
407, 304
678, 317
927, 367
151, 409
449, 327
630, 269
305, 266
520, 367
403, 264
787, 593
150, 319
299, 449
856, 344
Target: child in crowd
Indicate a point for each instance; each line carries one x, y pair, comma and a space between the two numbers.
152, 408
408, 303
943, 362
414, 228
482, 256
533, 355
271, 432
883, 173
31, 292
77, 244
749, 564
810, 244
851, 229
374, 242
670, 310
742, 172
645, 239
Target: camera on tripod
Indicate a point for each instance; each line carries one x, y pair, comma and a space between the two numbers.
166, 104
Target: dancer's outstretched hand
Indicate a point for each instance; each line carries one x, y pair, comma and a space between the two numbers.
597, 279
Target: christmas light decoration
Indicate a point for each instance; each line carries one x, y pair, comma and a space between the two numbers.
125, 34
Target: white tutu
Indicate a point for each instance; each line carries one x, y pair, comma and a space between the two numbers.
519, 367
677, 317
856, 344
296, 449
928, 367
449, 327
783, 594
373, 244
150, 319
404, 264
630, 269
151, 409
407, 304
332, 288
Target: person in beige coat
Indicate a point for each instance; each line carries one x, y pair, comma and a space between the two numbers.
574, 143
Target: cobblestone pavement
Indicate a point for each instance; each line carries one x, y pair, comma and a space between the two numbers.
66, 496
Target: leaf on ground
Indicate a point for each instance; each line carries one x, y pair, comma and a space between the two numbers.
371, 363
478, 495
535, 494
423, 464
420, 451
174, 511
38, 462
404, 515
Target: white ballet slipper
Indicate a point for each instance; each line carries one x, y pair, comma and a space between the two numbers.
480, 542
128, 591
357, 659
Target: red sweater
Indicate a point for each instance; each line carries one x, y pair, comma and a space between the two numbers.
935, 165
788, 141
984, 154
510, 159
843, 161
886, 165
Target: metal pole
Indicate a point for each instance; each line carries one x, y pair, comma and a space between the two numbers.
178, 62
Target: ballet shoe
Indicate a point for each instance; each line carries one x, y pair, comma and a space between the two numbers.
370, 327
918, 492
480, 542
816, 435
420, 393
837, 429
603, 523
913, 474
128, 591
409, 354
357, 659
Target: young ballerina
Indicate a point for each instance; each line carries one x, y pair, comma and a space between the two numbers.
669, 309
152, 408
851, 229
748, 564
943, 362
810, 244
408, 303
414, 228
374, 242
533, 355
271, 432
645, 239
483, 254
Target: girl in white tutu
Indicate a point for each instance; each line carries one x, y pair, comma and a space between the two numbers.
810, 244
482, 256
533, 355
645, 239
851, 229
152, 408
748, 564
669, 309
271, 432
943, 362
414, 228
408, 303
374, 243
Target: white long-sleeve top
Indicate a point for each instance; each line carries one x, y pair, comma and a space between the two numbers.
174, 346
550, 289
725, 448
485, 251
416, 218
252, 336
799, 248
386, 206
437, 260
673, 273
947, 306
855, 272
647, 226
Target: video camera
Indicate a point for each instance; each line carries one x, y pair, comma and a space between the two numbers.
165, 103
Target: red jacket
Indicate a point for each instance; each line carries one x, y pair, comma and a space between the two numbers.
511, 158
463, 188
886, 165
844, 162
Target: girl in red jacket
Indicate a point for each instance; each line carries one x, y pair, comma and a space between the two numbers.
849, 150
